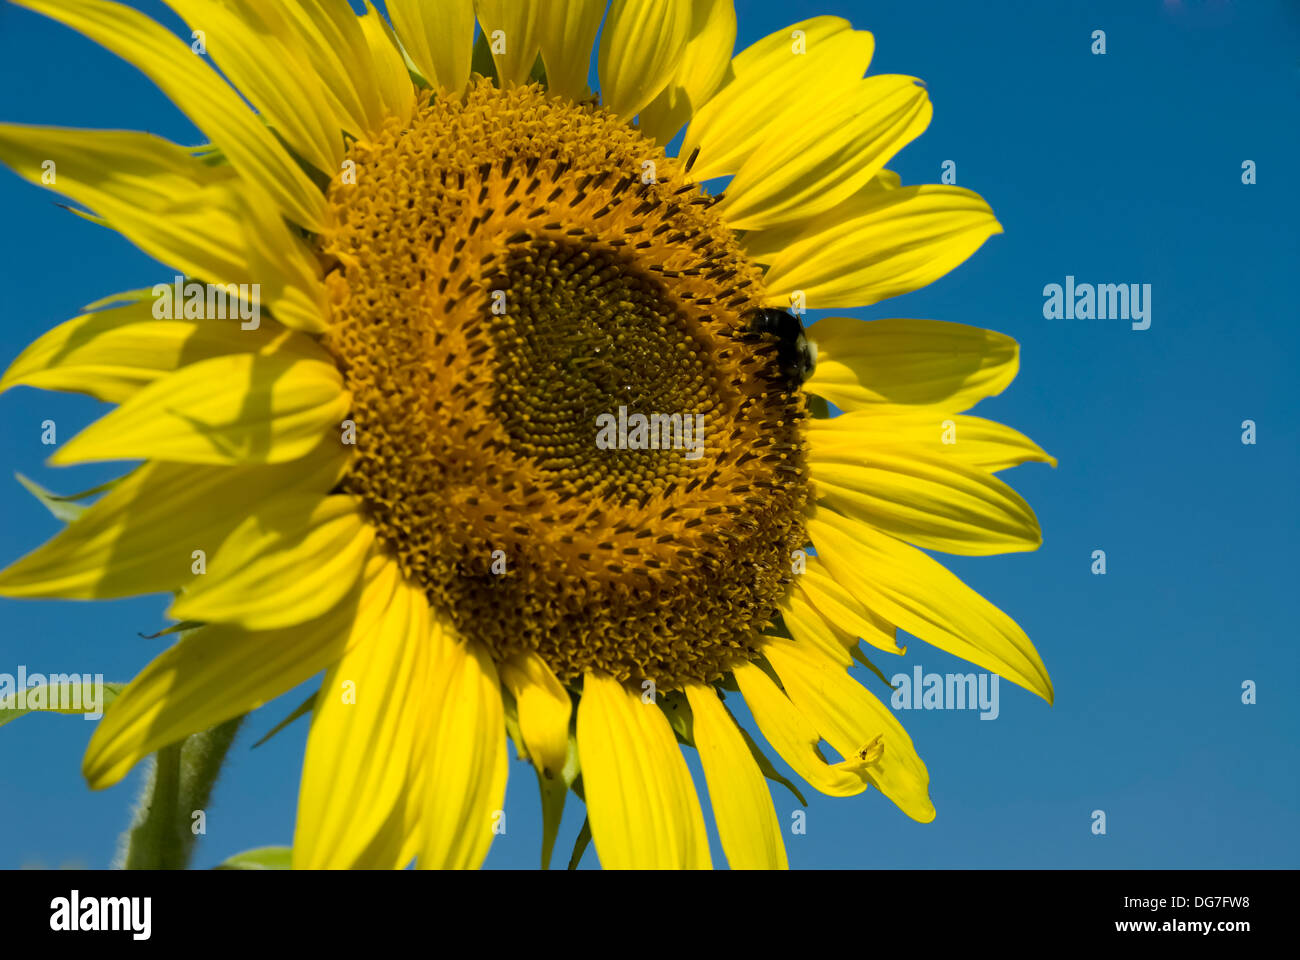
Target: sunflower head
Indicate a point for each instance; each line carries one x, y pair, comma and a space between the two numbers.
526, 437
511, 271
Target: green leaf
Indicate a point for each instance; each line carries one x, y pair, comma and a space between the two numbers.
262, 858
69, 693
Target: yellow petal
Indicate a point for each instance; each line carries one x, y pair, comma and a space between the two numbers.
567, 29
791, 74
236, 409
930, 502
140, 537
289, 565
640, 800
544, 709
843, 610
200, 219
331, 38
219, 672
973, 441
766, 245
915, 362
439, 37
793, 736
208, 100
113, 353
807, 626
881, 244
703, 67
247, 42
366, 729
742, 805
512, 30
825, 159
396, 91
641, 49
854, 722
465, 774
923, 598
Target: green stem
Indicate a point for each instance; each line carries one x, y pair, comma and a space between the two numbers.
179, 785
153, 835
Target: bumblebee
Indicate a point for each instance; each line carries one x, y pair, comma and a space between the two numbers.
795, 355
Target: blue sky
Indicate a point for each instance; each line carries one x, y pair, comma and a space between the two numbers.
1122, 168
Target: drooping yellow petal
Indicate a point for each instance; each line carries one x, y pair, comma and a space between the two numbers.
793, 736
267, 409
439, 37
703, 67
366, 730
923, 598
247, 41
930, 502
201, 219
641, 802
141, 536
222, 671
915, 362
112, 354
793, 73
854, 722
742, 804
205, 97
641, 49
513, 34
287, 566
973, 441
880, 244
825, 159
465, 764
391, 78
843, 610
567, 29
544, 709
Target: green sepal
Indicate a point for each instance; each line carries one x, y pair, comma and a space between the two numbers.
817, 406
481, 62
302, 708
260, 858
861, 657
678, 711
580, 845
764, 764
64, 508
538, 73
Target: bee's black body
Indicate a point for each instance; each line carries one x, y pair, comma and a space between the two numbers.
794, 354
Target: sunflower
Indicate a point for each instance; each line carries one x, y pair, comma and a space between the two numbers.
462, 261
